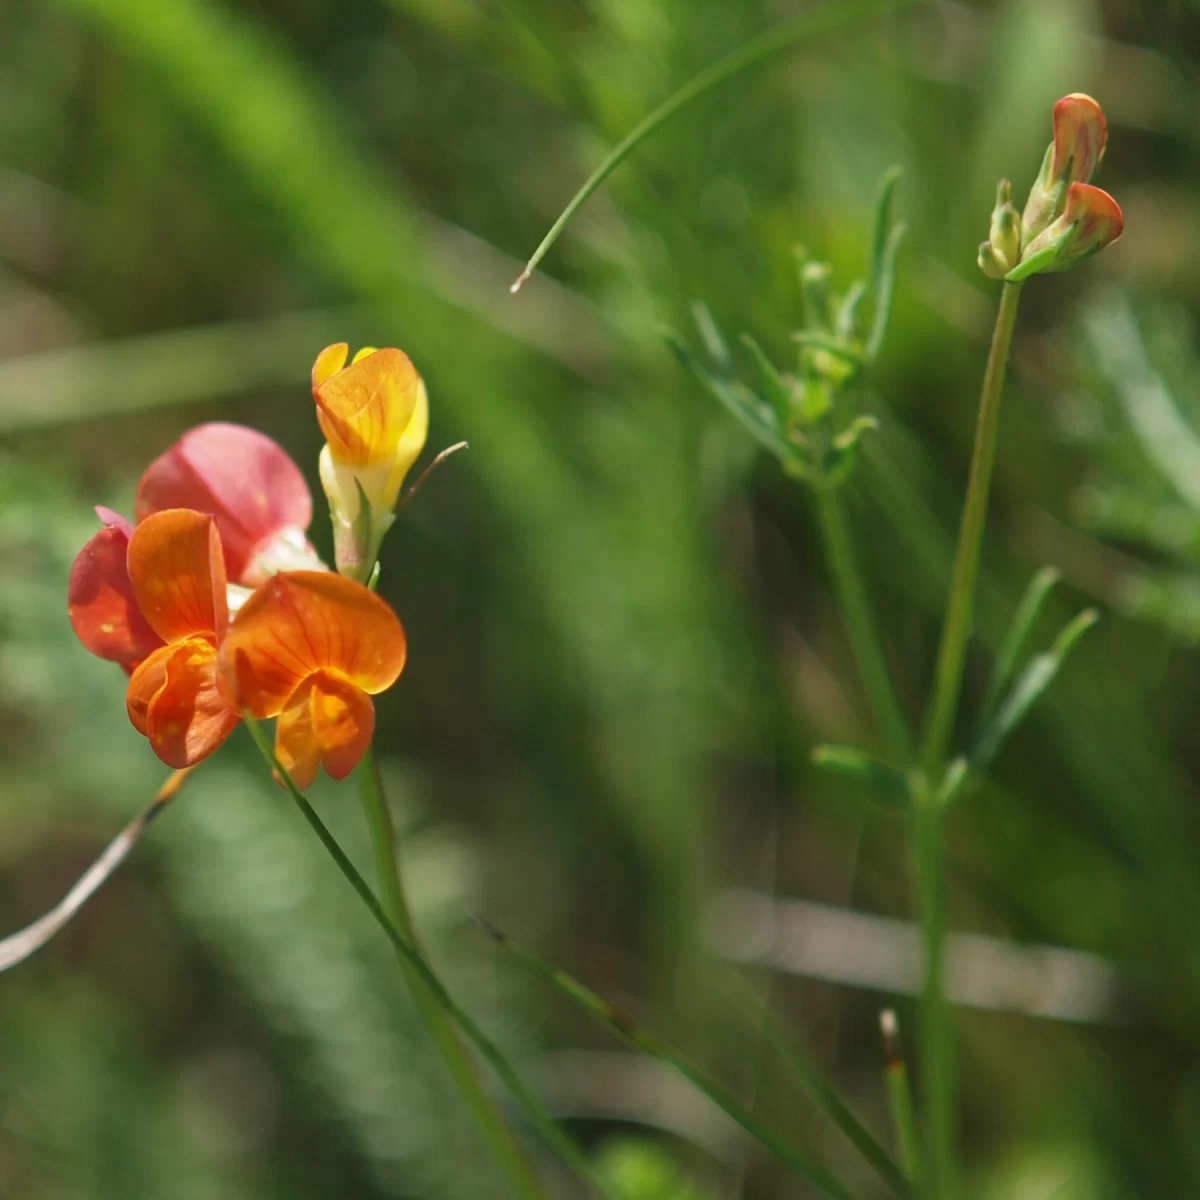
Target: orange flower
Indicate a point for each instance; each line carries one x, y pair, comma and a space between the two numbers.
1080, 139
311, 649
177, 576
375, 416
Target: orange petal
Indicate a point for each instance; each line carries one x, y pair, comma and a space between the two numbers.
144, 685
300, 622
174, 698
365, 408
1080, 137
329, 362
326, 720
178, 575
100, 602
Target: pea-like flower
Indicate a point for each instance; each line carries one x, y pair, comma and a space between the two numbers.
311, 648
252, 488
1080, 139
375, 417
177, 577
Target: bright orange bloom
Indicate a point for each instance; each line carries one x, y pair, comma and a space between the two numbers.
177, 576
311, 649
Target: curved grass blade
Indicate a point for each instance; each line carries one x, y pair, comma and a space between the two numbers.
772, 382
17, 947
1008, 656
823, 19
542, 1121
625, 1028
827, 1098
1030, 685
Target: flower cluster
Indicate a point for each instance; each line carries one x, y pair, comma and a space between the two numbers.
215, 602
1066, 218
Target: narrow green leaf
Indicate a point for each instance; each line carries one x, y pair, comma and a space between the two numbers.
884, 290
1008, 656
711, 336
624, 1027
829, 16
885, 785
1028, 689
750, 412
817, 340
883, 227
846, 325
773, 383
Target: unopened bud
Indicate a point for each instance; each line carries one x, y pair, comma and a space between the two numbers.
1005, 231
1091, 219
1080, 138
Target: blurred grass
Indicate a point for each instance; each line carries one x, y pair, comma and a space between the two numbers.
623, 640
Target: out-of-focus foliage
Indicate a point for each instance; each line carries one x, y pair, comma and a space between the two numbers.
622, 640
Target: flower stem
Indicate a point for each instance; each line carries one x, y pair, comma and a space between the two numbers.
960, 607
864, 635
545, 1124
492, 1125
937, 1046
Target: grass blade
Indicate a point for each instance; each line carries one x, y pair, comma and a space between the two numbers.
626, 1029
823, 19
885, 785
883, 294
883, 227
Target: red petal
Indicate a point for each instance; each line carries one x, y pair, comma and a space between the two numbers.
239, 476
101, 605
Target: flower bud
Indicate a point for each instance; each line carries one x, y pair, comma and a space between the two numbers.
375, 415
1080, 137
1002, 251
1091, 219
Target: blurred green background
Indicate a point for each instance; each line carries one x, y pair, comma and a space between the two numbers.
623, 644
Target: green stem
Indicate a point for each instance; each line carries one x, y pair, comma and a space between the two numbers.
860, 622
960, 607
938, 1067
507, 1074
387, 865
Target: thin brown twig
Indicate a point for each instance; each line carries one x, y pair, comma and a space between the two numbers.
17, 947
429, 470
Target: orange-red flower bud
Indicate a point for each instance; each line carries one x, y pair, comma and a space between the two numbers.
247, 482
1091, 219
1080, 138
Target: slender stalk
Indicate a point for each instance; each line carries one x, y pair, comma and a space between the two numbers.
960, 607
900, 1099
860, 621
937, 1047
387, 865
520, 1090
